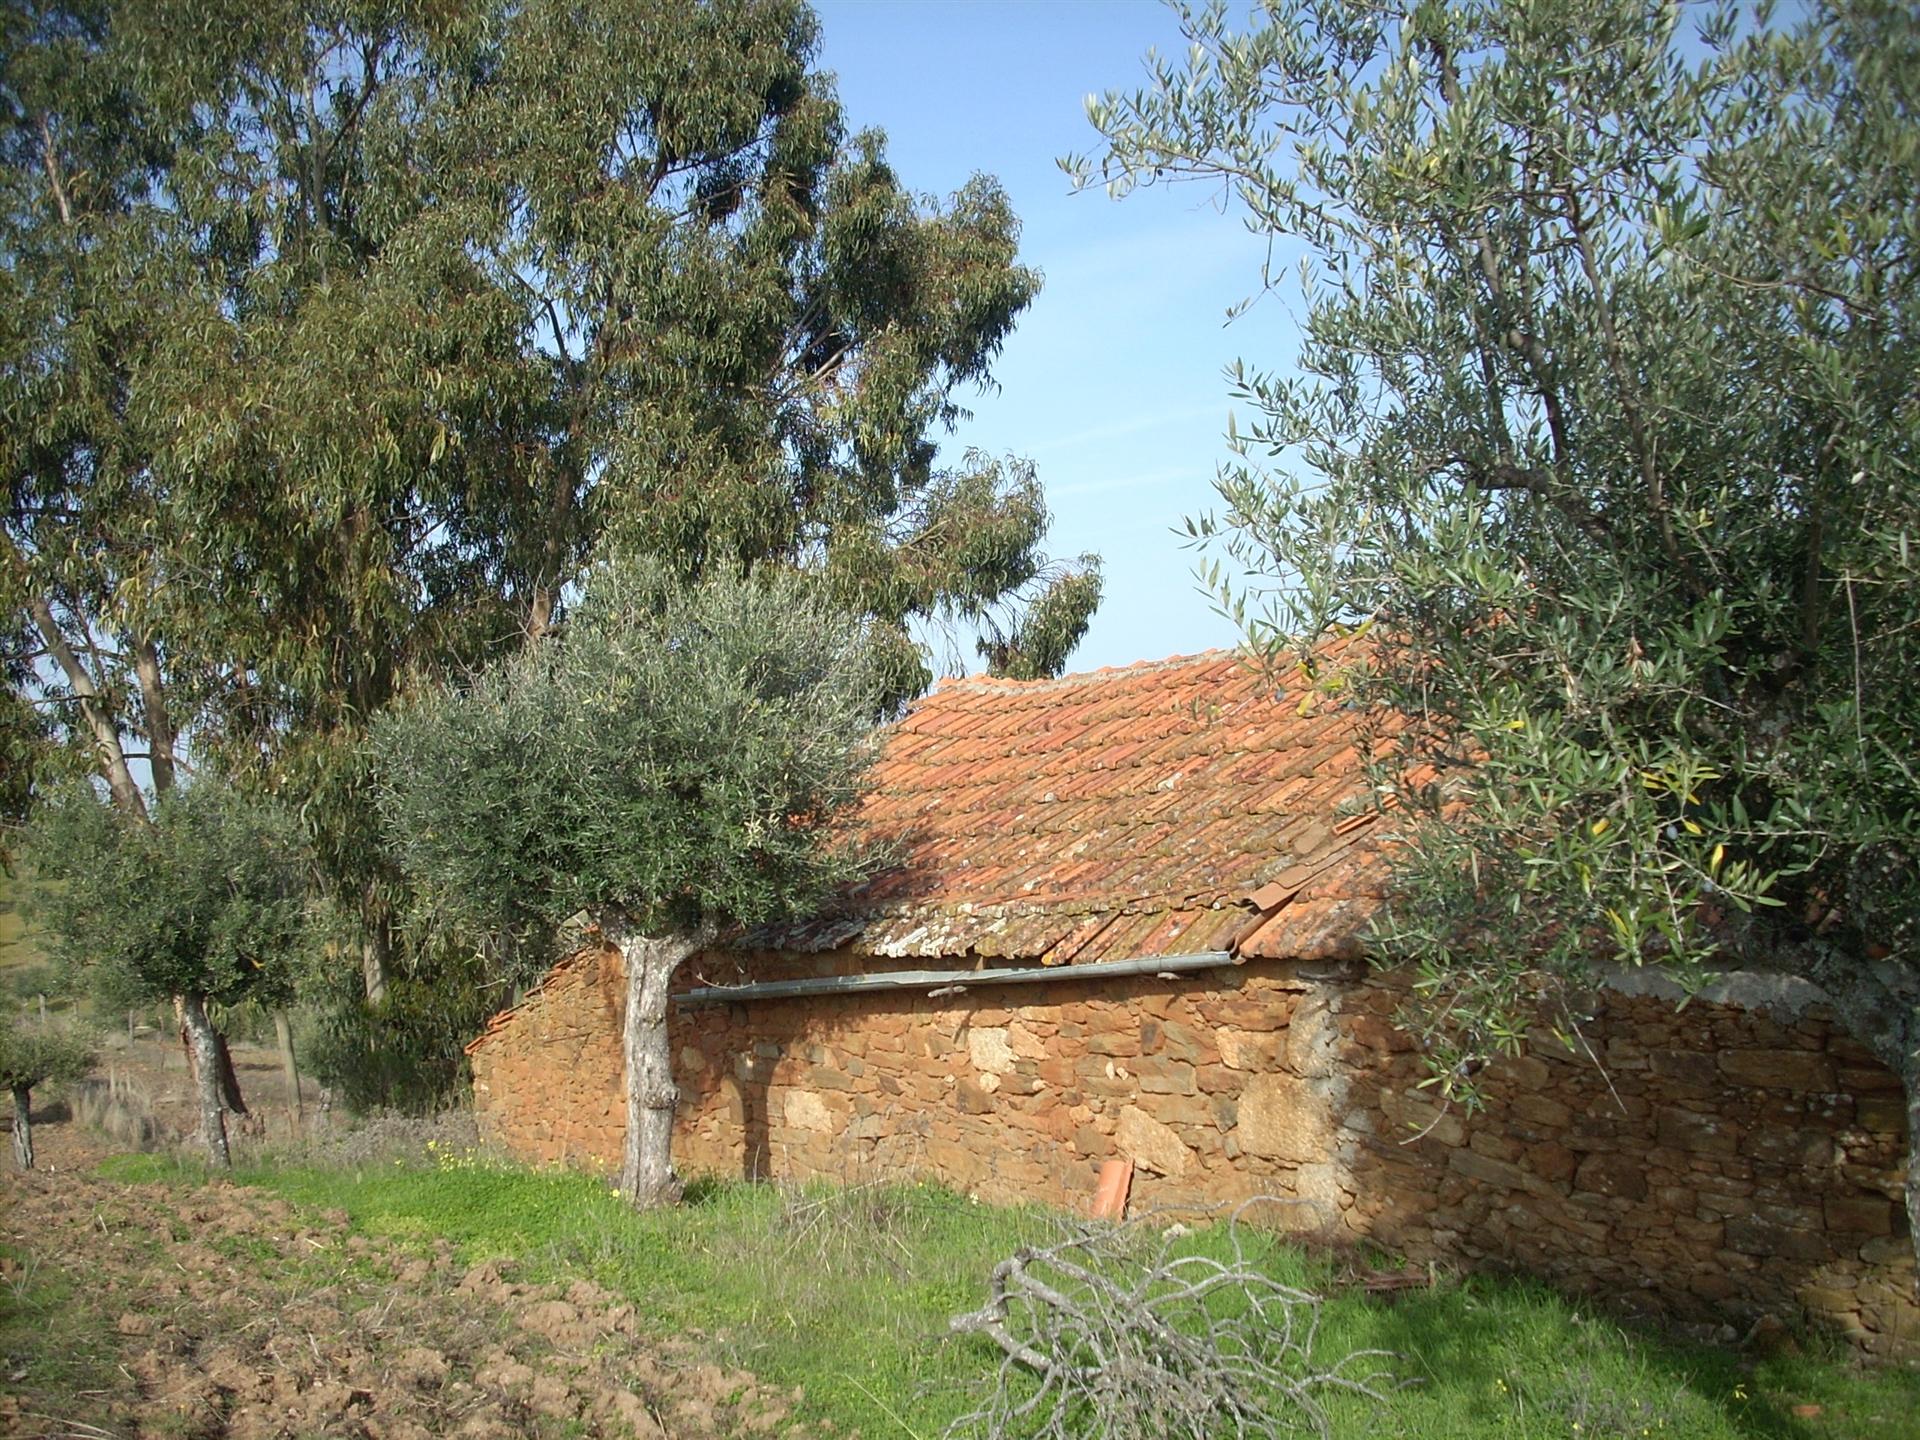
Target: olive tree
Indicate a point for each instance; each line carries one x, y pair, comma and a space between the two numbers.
1605, 420
202, 902
668, 763
33, 1055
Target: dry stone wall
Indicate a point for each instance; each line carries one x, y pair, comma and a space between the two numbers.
1716, 1163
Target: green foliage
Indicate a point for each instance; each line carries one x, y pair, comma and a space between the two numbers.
205, 899
374, 323
23, 736
672, 759
1605, 423
407, 1053
335, 338
34, 1054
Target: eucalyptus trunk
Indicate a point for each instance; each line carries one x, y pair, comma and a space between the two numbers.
205, 1048
376, 948
23, 1127
109, 748
647, 1177
283, 1032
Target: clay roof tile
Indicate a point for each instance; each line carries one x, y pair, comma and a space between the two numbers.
1070, 819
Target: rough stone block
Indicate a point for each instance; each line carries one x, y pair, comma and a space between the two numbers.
1859, 1214
1779, 1069
1484, 1170
1326, 1188
1374, 1035
1225, 1110
1024, 1040
1868, 1080
1696, 1133
1186, 1043
1892, 1250
1218, 1079
1750, 1235
1193, 1111
1411, 1115
805, 1110
1056, 1070
1250, 1050
1607, 1174
1827, 1300
961, 1164
1789, 1146
1495, 1146
1881, 1114
1151, 1145
987, 1047
1166, 1079
1539, 1110
1553, 1163
1281, 1116
1313, 1039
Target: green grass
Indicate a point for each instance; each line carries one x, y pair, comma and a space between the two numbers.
848, 1295
54, 1337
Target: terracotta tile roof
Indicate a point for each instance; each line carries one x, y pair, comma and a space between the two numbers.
1132, 811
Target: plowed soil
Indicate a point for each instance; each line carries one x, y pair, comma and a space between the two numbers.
195, 1312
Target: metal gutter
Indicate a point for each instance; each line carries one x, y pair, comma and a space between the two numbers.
943, 982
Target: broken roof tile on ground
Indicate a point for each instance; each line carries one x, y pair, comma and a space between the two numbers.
1134, 811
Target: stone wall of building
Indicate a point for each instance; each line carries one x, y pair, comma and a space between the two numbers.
1717, 1163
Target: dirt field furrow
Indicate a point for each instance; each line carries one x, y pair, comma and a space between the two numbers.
221, 1313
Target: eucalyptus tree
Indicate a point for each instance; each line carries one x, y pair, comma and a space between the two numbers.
672, 763
200, 902
752, 332
1606, 420
335, 336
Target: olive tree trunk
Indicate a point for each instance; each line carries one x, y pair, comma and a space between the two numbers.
1910, 1083
646, 1172
226, 1078
205, 1047
230, 1095
23, 1127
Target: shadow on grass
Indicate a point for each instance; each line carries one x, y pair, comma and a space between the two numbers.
1513, 1349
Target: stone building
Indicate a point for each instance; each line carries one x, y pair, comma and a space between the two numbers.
1125, 924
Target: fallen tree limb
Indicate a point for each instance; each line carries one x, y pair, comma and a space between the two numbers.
1137, 1332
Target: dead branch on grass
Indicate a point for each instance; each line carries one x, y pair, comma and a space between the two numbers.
1124, 1332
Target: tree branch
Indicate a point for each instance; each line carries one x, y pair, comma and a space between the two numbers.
106, 734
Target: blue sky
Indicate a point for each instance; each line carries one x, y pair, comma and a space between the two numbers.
1112, 384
